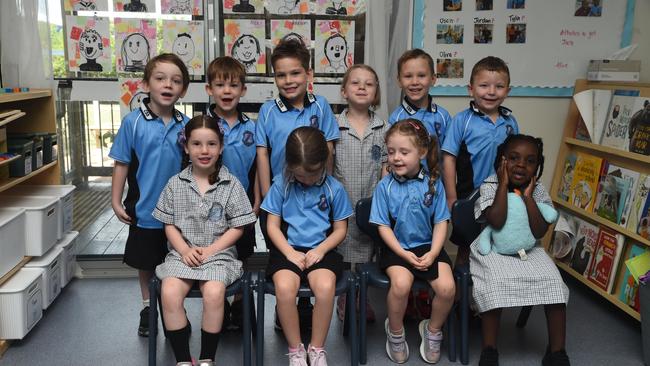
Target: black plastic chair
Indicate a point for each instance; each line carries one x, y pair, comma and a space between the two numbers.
370, 275
347, 283
242, 285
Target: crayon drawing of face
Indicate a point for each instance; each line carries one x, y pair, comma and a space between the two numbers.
90, 44
135, 52
336, 49
183, 47
246, 50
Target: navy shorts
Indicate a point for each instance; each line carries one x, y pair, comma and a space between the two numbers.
389, 258
145, 248
277, 261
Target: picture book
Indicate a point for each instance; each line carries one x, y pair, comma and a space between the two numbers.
643, 228
633, 178
587, 173
629, 293
563, 243
564, 189
585, 244
617, 122
638, 202
602, 98
613, 195
605, 258
639, 265
639, 131
584, 127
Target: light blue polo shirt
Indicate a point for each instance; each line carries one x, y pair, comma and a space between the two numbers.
153, 154
277, 119
473, 139
308, 211
434, 117
408, 204
239, 149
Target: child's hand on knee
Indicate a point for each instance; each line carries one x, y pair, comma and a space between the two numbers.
192, 256
312, 257
298, 259
426, 261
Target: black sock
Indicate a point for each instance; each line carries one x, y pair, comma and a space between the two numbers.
209, 343
180, 341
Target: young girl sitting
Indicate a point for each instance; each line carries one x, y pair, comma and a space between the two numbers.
502, 281
204, 209
314, 208
410, 208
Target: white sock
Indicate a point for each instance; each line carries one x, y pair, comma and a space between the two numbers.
145, 303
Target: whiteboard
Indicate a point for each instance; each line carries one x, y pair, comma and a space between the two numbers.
551, 50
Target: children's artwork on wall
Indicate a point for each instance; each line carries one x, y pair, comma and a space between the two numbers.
85, 5
340, 7
188, 7
516, 4
185, 39
449, 34
135, 43
450, 68
299, 29
88, 44
136, 6
243, 6
484, 5
516, 33
131, 94
243, 39
588, 8
285, 7
452, 5
483, 33
334, 46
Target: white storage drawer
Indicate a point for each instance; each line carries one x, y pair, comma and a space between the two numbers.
66, 201
69, 256
41, 221
50, 263
20, 303
12, 238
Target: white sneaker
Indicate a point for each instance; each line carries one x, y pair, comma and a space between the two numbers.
396, 346
298, 358
184, 363
317, 357
430, 345
205, 363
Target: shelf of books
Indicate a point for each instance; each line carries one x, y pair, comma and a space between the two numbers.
601, 184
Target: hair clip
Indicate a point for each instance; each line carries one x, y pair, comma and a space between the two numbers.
415, 125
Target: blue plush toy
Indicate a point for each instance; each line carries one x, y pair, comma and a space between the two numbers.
515, 236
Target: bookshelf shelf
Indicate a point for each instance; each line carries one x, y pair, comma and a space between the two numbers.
608, 150
3, 162
4, 185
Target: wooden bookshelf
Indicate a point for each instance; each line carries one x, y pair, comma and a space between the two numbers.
633, 161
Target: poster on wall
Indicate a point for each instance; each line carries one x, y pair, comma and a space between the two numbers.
244, 40
340, 7
285, 7
131, 94
334, 46
185, 39
243, 7
88, 44
135, 43
282, 29
85, 5
187, 7
135, 6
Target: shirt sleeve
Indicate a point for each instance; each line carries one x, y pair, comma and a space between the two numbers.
123, 142
540, 195
384, 149
341, 204
329, 127
454, 136
487, 193
260, 130
379, 214
441, 211
446, 117
238, 208
164, 211
274, 198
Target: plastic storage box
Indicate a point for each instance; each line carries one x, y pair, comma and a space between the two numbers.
20, 303
41, 221
23, 166
12, 244
69, 264
50, 263
37, 148
50, 148
66, 201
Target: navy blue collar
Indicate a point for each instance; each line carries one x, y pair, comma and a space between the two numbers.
149, 115
503, 111
284, 104
241, 116
421, 174
412, 109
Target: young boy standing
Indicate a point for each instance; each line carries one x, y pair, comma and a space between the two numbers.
226, 85
147, 152
471, 144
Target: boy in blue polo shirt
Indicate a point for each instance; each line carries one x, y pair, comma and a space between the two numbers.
226, 85
416, 75
147, 152
474, 134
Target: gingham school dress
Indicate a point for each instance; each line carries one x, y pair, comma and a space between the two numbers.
201, 220
502, 281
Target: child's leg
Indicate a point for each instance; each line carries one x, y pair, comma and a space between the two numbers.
286, 288
323, 284
556, 323
173, 293
445, 290
401, 281
145, 277
490, 327
214, 294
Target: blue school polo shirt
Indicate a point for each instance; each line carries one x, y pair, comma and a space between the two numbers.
473, 139
277, 119
408, 205
153, 154
308, 211
239, 149
434, 117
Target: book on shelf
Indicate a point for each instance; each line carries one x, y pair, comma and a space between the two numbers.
585, 126
640, 128
586, 175
564, 189
564, 234
602, 98
614, 193
605, 258
643, 227
639, 265
629, 293
638, 200
623, 106
585, 245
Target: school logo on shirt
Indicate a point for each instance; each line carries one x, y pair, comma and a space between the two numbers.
247, 138
428, 199
313, 121
322, 202
216, 212
375, 152
509, 130
181, 137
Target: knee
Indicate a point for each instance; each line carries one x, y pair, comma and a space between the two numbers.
285, 290
401, 286
171, 298
446, 290
214, 295
324, 289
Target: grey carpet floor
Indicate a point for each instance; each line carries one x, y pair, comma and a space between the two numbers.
94, 322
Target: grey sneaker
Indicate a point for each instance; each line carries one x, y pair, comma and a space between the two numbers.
298, 358
396, 346
430, 345
316, 357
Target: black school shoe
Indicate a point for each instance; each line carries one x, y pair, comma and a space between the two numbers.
143, 328
489, 357
559, 358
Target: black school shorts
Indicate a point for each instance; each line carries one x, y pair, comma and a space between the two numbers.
145, 248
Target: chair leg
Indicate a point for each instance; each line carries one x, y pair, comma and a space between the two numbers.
464, 318
154, 293
451, 334
259, 344
351, 320
363, 298
246, 331
523, 316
